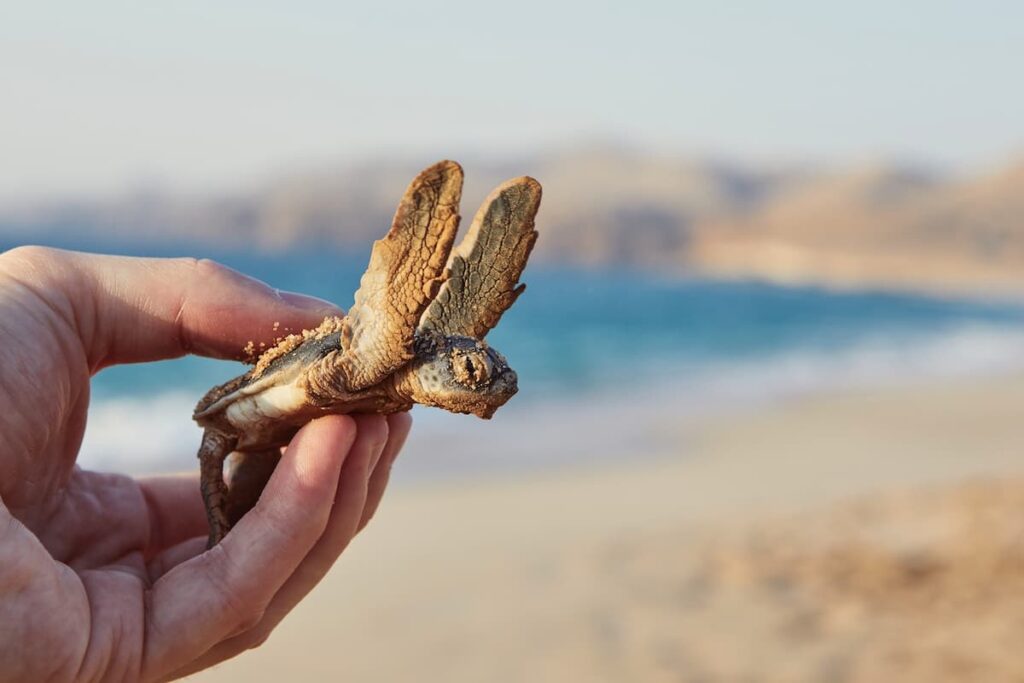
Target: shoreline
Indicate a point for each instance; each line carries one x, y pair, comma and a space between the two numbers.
542, 575
640, 415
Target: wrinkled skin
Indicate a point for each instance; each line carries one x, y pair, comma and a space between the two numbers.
459, 374
103, 577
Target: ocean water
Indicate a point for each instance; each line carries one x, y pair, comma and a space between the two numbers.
605, 360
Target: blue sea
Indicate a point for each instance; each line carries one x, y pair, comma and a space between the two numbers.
606, 360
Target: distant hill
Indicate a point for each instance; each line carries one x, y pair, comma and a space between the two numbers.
879, 226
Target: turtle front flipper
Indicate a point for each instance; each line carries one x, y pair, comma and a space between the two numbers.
483, 279
215, 447
404, 274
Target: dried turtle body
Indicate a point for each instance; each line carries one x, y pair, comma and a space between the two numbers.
414, 335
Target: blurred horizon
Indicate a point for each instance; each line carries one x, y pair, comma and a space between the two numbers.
612, 206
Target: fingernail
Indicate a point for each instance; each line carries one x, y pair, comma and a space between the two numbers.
308, 303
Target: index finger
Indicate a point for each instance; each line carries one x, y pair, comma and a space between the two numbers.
129, 309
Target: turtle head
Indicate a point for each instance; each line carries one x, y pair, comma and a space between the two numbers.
459, 374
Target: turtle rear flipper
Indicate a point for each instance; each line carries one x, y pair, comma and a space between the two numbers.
403, 276
247, 475
215, 447
483, 279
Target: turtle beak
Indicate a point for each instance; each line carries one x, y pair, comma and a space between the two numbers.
504, 387
486, 412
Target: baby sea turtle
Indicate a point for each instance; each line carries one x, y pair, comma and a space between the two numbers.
414, 335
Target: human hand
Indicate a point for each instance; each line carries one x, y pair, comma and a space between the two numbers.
104, 577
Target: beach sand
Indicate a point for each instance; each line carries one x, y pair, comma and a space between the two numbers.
864, 536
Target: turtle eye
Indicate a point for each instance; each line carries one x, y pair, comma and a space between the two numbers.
481, 367
472, 368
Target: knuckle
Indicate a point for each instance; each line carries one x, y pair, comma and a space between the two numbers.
247, 619
202, 267
31, 259
205, 266
257, 637
56, 278
199, 274
29, 253
17, 570
185, 262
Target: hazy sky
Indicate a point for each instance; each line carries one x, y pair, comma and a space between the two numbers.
100, 96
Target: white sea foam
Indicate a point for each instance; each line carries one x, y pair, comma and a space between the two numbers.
878, 360
136, 435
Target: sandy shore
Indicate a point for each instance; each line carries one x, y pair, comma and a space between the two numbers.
865, 536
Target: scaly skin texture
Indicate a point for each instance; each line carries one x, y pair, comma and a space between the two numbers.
414, 335
403, 276
215, 447
486, 266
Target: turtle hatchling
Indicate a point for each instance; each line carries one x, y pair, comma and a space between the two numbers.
414, 335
